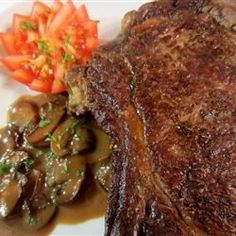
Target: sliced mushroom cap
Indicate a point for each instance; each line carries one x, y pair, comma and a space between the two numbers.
46, 196
34, 184
34, 150
43, 98
14, 159
41, 160
50, 115
11, 181
76, 175
70, 138
102, 145
83, 139
9, 164
67, 176
101, 172
58, 173
32, 221
9, 197
22, 113
39, 218
62, 136
7, 139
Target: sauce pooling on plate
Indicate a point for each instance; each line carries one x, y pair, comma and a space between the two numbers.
51, 163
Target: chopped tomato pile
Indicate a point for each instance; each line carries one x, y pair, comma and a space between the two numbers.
43, 46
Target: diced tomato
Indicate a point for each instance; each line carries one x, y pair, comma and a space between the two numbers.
44, 45
39, 10
22, 23
57, 5
84, 59
59, 71
42, 25
60, 19
32, 37
91, 28
15, 62
23, 76
8, 42
58, 86
41, 85
91, 43
82, 14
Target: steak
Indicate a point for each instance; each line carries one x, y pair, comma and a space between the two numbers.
165, 92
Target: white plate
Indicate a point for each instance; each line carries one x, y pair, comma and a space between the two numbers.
109, 13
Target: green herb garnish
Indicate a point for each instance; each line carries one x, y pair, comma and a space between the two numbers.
31, 221
39, 153
27, 125
66, 39
51, 155
70, 128
28, 162
73, 125
67, 57
52, 183
50, 138
4, 168
80, 173
65, 168
43, 47
44, 122
27, 25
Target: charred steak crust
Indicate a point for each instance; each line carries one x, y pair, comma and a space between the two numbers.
165, 92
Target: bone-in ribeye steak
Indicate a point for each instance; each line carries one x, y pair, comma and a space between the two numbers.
165, 92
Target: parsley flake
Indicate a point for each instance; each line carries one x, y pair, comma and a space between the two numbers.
44, 122
39, 153
73, 125
80, 173
50, 138
31, 221
65, 168
50, 155
4, 168
43, 47
52, 183
67, 57
28, 162
66, 39
27, 25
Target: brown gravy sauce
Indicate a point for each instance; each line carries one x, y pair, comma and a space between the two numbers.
91, 204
